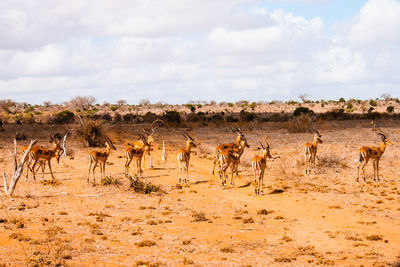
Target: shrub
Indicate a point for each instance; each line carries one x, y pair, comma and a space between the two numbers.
373, 103
82, 102
231, 119
302, 110
143, 188
172, 116
298, 124
149, 117
128, 117
91, 131
106, 117
246, 116
114, 107
390, 109
62, 117
342, 100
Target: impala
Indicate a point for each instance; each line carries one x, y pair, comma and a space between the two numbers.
149, 139
100, 157
310, 151
41, 155
230, 157
375, 153
240, 137
132, 152
184, 158
258, 164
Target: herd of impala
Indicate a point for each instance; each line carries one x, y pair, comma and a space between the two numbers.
227, 155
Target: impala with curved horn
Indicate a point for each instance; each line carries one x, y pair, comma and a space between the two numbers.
132, 152
258, 164
184, 158
310, 151
375, 153
149, 139
240, 138
41, 155
100, 157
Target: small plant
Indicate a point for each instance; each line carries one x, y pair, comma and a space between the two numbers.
374, 237
390, 109
143, 188
302, 110
373, 103
227, 250
106, 181
199, 216
145, 243
264, 212
186, 242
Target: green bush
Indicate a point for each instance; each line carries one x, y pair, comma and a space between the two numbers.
114, 107
373, 103
390, 109
302, 110
62, 117
342, 100
172, 116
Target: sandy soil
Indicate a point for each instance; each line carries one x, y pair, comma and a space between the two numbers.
321, 219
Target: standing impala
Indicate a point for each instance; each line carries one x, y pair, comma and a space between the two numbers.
41, 155
149, 139
133, 151
240, 137
258, 164
310, 151
184, 158
375, 153
100, 157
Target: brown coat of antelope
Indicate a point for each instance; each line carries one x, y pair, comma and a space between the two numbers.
259, 164
41, 155
375, 153
310, 151
100, 157
240, 137
135, 152
184, 158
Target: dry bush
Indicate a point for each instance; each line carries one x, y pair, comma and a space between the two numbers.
199, 217
227, 250
108, 180
91, 131
143, 188
298, 124
145, 243
332, 161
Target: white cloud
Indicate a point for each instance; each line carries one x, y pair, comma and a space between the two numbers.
177, 50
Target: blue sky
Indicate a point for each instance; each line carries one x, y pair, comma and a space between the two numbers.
175, 51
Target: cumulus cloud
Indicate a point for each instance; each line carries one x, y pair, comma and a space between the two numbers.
179, 50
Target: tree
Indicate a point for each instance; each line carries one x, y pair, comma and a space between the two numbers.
83, 102
304, 97
144, 102
386, 97
121, 102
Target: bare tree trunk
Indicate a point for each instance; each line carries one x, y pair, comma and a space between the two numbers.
17, 169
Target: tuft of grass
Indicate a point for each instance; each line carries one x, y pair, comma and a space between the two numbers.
248, 220
145, 243
143, 188
62, 212
264, 212
283, 259
286, 238
374, 237
199, 216
186, 242
20, 237
107, 181
227, 250
187, 261
50, 182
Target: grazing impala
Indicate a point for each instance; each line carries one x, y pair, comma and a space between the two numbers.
240, 137
100, 157
184, 158
149, 139
310, 151
259, 164
375, 153
41, 155
132, 152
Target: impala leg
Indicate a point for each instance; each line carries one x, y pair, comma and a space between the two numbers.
93, 172
151, 165
233, 169
43, 166
374, 164
90, 166
363, 168
377, 170
51, 171
127, 163
33, 169
215, 161
104, 169
261, 185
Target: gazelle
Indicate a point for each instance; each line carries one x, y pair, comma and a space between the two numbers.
100, 157
258, 164
310, 151
230, 157
375, 153
133, 151
149, 139
240, 137
41, 155
184, 158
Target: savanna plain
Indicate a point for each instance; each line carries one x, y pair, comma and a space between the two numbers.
325, 218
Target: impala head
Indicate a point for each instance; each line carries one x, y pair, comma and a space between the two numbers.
59, 148
240, 137
109, 143
189, 140
147, 145
376, 129
317, 136
149, 135
265, 149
